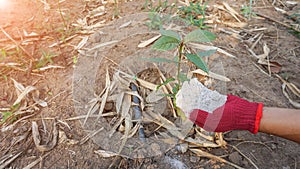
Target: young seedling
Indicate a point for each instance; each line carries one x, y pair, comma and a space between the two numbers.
45, 59
171, 40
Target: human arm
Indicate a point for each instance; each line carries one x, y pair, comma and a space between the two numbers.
281, 122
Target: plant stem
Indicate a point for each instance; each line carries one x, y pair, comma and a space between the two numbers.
180, 51
62, 17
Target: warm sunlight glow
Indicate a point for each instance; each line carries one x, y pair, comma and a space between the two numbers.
4, 4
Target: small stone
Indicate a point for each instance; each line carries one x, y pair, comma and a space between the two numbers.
155, 148
4, 103
235, 157
152, 166
182, 147
273, 146
108, 106
194, 159
96, 37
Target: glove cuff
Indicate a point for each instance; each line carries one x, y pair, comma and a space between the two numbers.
258, 117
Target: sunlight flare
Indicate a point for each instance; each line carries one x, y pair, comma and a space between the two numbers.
4, 4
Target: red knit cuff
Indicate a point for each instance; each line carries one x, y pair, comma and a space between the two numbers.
258, 117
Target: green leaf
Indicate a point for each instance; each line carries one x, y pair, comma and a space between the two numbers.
165, 43
182, 77
160, 60
197, 61
207, 53
180, 114
165, 82
7, 115
171, 34
175, 88
199, 35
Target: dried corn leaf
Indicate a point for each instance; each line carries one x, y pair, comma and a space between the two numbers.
48, 67
232, 12
91, 116
142, 82
37, 138
119, 102
211, 156
201, 143
101, 45
206, 47
105, 154
262, 57
94, 107
114, 128
212, 75
6, 162
104, 98
294, 103
148, 42
170, 126
168, 139
134, 130
82, 43
235, 24
291, 86
135, 93
125, 24
27, 90
20, 88
155, 96
126, 104
96, 25
90, 135
204, 135
31, 165
128, 125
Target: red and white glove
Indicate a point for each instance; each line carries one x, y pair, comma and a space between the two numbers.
216, 112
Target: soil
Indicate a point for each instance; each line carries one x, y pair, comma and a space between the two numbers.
58, 86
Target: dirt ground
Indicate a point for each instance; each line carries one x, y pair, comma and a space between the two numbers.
54, 24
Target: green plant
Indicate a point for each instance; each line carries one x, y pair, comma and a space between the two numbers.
8, 116
75, 59
45, 59
194, 14
160, 7
3, 54
247, 10
155, 22
171, 40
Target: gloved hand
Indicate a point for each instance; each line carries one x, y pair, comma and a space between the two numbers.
215, 112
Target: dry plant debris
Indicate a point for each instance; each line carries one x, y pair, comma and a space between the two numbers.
116, 90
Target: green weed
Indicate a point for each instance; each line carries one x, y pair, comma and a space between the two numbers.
247, 10
45, 59
194, 14
8, 116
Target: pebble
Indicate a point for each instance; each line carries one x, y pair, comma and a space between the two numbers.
235, 157
96, 37
152, 166
194, 159
108, 106
155, 148
273, 146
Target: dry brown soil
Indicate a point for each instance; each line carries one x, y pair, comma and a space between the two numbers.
55, 86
